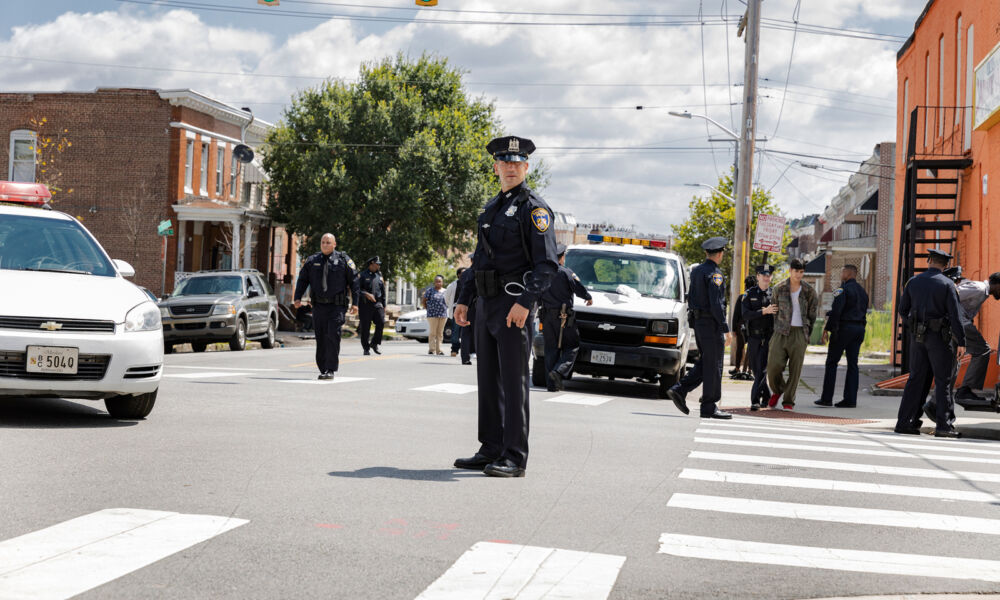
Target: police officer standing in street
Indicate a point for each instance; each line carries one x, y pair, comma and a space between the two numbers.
562, 340
929, 305
845, 330
758, 314
705, 305
371, 307
512, 267
329, 275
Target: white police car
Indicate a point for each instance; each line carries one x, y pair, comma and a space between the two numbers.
70, 324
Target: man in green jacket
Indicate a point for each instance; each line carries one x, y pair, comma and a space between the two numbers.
798, 304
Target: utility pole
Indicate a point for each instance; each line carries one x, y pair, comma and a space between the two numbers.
744, 173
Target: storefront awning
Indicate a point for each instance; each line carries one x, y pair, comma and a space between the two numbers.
869, 207
817, 266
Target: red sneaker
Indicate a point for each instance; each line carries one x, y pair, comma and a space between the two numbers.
788, 406
773, 401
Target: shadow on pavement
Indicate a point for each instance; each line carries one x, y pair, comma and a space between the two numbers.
412, 474
677, 416
53, 413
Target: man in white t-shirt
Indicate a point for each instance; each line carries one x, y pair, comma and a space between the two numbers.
798, 304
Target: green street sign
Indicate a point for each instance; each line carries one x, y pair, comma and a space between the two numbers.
164, 227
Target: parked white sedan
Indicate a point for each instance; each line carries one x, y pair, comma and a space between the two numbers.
70, 324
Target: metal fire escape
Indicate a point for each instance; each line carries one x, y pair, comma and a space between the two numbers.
935, 160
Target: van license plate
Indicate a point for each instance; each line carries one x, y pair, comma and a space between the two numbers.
599, 357
52, 359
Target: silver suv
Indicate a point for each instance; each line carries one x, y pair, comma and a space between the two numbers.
220, 306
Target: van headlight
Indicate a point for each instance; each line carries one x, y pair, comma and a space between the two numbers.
660, 327
145, 317
223, 309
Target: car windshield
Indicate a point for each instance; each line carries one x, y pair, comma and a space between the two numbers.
215, 285
54, 245
651, 276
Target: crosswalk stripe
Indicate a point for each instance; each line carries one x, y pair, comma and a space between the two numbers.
255, 370
858, 442
839, 450
856, 468
324, 381
584, 399
447, 388
834, 485
839, 559
492, 571
742, 424
208, 375
72, 557
836, 514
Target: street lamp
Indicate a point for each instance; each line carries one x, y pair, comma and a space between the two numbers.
687, 115
713, 188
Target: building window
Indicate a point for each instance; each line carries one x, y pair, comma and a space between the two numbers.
220, 155
941, 110
203, 190
906, 116
927, 94
188, 166
958, 67
233, 170
245, 196
22, 155
968, 88
258, 196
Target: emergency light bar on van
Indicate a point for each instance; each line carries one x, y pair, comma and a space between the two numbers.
594, 237
31, 194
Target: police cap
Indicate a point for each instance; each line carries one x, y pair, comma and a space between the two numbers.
938, 254
560, 249
510, 148
375, 260
714, 244
765, 269
953, 273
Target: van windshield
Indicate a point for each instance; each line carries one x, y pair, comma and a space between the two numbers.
55, 245
651, 276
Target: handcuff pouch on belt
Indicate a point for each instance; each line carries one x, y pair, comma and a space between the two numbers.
920, 329
487, 284
337, 299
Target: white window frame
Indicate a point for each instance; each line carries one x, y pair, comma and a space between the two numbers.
20, 135
203, 178
233, 170
189, 164
220, 160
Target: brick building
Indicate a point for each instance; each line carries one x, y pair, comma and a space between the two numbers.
122, 160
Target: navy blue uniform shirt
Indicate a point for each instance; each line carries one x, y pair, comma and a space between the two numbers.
850, 305
708, 291
931, 295
373, 283
565, 285
340, 279
512, 223
754, 302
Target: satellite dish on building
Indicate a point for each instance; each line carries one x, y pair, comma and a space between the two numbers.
243, 153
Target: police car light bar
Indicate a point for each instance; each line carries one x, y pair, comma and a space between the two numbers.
34, 194
609, 239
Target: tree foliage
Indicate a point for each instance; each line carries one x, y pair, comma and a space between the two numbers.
394, 164
715, 216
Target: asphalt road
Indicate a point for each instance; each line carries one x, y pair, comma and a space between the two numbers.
346, 490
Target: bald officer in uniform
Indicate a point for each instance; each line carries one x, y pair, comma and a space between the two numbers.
512, 267
329, 275
711, 332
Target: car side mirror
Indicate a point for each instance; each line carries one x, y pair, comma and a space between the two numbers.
253, 294
124, 268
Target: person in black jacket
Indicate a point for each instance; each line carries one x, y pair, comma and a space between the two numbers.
562, 340
372, 306
741, 358
758, 314
845, 330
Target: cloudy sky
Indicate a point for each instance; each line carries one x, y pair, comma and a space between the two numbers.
567, 74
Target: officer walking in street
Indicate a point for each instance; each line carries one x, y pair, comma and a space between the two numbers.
562, 340
371, 307
845, 330
512, 267
329, 275
758, 314
705, 305
929, 305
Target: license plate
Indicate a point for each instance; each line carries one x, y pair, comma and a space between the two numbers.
599, 357
52, 359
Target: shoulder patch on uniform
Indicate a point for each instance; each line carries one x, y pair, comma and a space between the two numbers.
838, 292
350, 263
717, 279
575, 277
542, 219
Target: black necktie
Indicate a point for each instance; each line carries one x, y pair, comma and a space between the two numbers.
326, 271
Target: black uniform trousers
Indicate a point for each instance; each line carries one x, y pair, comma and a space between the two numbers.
847, 339
757, 349
369, 313
556, 359
328, 319
502, 370
707, 371
934, 358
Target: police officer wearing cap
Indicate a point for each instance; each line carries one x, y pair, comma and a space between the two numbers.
711, 332
371, 307
758, 314
329, 275
562, 340
929, 306
513, 265
845, 330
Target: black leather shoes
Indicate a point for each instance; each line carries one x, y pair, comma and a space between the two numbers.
376, 350
477, 462
947, 433
503, 468
755, 407
466, 362
843, 404
555, 382
718, 414
325, 375
367, 353
907, 430
823, 403
678, 401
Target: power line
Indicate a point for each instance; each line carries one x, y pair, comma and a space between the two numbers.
729, 77
704, 88
788, 72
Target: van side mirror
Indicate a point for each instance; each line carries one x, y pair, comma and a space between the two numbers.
124, 268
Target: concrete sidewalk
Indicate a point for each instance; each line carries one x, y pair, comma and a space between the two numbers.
876, 412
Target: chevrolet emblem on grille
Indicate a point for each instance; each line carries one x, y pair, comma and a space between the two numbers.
189, 309
50, 325
606, 326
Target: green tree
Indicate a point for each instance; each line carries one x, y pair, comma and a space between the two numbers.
716, 216
394, 164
